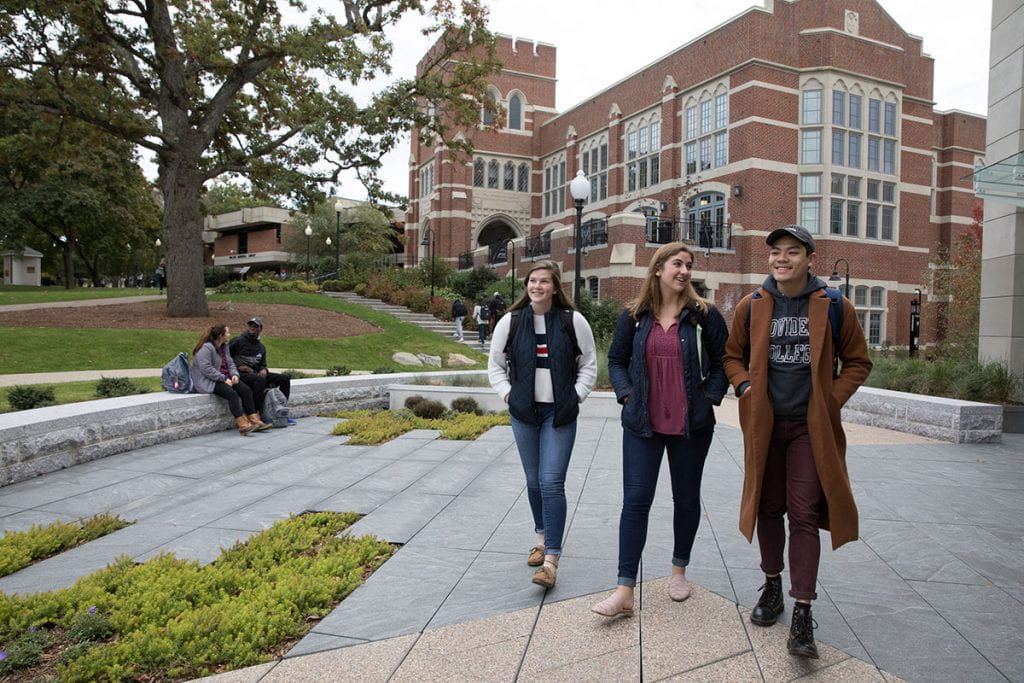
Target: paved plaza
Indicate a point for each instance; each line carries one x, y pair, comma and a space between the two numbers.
931, 592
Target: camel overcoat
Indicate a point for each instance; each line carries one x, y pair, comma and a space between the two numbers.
828, 395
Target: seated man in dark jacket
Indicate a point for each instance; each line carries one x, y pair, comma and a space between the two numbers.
250, 357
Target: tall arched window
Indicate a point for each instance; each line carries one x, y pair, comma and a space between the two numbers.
492, 174
487, 117
524, 178
509, 177
515, 112
478, 173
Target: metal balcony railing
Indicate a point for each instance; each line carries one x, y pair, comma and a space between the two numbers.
538, 246
707, 235
497, 253
594, 233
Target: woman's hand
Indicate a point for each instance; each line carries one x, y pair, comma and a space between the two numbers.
234, 380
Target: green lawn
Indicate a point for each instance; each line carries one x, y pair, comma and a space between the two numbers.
23, 294
28, 350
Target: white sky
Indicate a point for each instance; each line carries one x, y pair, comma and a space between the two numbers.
602, 41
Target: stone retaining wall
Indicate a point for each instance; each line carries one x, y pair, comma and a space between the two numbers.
33, 442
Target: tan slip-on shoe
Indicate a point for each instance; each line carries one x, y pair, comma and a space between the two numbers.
545, 576
536, 557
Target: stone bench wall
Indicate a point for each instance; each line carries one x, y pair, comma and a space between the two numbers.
33, 442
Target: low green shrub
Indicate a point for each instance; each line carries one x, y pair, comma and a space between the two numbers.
360, 289
384, 370
174, 619
297, 374
90, 626
265, 284
21, 548
429, 410
26, 397
72, 653
109, 387
372, 427
968, 380
338, 371
466, 404
412, 401
333, 286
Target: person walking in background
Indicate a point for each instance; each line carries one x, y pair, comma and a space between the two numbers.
665, 364
497, 309
482, 316
459, 313
543, 363
161, 274
780, 357
213, 372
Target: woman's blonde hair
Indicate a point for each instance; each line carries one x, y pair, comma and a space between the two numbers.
650, 291
560, 300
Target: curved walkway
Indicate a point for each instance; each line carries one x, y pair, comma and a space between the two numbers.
82, 302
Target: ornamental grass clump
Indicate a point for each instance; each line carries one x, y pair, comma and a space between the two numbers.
369, 427
172, 619
21, 548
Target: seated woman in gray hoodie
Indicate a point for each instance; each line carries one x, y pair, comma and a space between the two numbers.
214, 372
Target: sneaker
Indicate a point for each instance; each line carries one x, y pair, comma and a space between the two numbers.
769, 606
801, 633
292, 421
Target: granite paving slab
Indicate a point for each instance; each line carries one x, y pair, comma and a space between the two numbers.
157, 458
494, 583
321, 642
363, 664
262, 514
110, 497
204, 544
914, 556
196, 513
399, 518
25, 519
418, 582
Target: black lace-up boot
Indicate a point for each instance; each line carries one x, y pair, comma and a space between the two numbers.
801, 632
769, 606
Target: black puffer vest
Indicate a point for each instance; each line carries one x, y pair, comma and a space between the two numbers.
522, 362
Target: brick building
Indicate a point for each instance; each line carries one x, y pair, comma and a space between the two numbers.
817, 112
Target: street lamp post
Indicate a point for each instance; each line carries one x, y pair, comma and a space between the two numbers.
915, 322
510, 252
835, 276
579, 188
338, 206
309, 233
430, 243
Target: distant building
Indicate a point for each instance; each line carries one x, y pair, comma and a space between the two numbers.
22, 267
817, 112
254, 239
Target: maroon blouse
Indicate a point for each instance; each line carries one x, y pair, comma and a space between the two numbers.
666, 397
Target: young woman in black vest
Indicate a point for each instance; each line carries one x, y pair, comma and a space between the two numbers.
665, 364
543, 363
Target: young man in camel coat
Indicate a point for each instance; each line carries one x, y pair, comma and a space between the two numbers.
780, 359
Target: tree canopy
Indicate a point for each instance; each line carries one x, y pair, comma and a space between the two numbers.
238, 87
67, 189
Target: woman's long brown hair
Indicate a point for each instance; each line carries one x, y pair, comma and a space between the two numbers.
650, 291
214, 332
559, 300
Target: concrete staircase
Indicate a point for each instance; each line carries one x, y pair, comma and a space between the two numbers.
424, 320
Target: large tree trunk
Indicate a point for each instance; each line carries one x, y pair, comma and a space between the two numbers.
181, 183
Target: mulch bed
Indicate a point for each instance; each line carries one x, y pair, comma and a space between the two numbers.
279, 320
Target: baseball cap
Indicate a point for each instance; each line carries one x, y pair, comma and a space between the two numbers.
255, 321
496, 294
795, 231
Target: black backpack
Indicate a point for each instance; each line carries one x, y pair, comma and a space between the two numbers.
485, 312
459, 309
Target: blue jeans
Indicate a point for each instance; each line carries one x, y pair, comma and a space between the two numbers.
641, 460
481, 330
544, 451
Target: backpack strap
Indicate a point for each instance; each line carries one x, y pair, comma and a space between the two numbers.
513, 323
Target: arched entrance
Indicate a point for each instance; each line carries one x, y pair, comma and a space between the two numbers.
497, 231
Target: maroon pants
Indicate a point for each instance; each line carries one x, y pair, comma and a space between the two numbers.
791, 485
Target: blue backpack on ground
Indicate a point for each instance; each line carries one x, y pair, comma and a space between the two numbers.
176, 375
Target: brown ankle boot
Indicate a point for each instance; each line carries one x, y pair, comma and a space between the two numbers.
261, 426
244, 426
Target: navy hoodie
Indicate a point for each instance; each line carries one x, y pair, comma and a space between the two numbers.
789, 351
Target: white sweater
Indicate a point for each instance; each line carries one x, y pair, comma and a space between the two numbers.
586, 363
